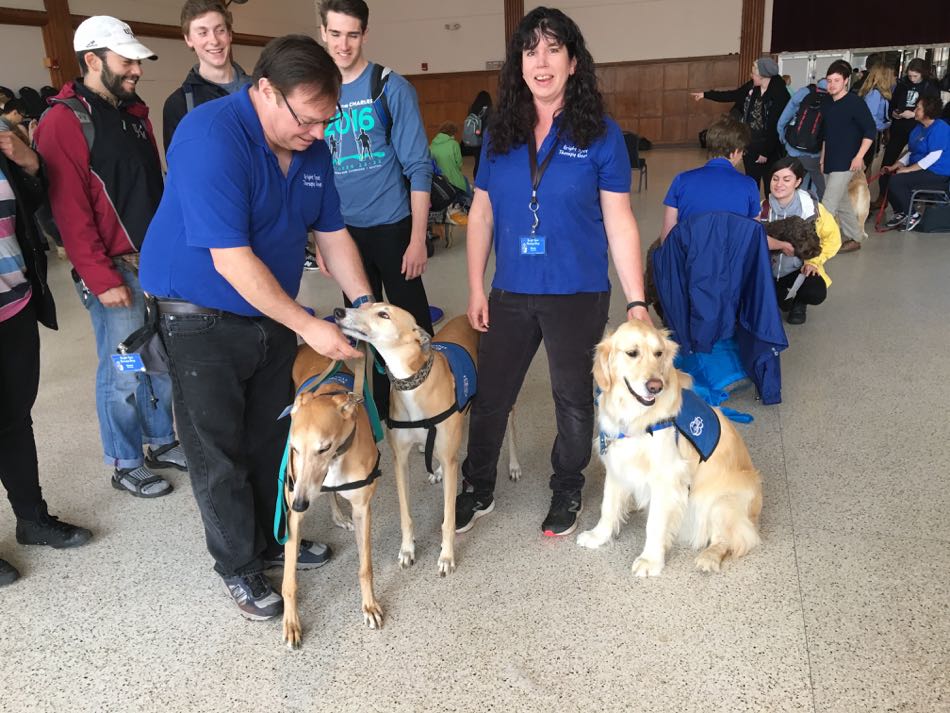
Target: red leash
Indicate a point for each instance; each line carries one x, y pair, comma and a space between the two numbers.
879, 226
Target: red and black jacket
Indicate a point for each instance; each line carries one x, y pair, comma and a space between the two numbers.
104, 198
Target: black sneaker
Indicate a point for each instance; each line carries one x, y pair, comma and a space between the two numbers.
310, 264
896, 219
46, 529
469, 507
913, 220
796, 315
254, 596
562, 517
310, 556
8, 573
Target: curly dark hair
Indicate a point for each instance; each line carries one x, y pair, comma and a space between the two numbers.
514, 118
801, 233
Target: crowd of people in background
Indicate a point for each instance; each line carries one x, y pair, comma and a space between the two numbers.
325, 145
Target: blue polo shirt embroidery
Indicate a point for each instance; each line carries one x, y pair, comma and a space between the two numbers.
225, 189
575, 251
463, 369
717, 186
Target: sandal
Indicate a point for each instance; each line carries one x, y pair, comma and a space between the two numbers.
141, 482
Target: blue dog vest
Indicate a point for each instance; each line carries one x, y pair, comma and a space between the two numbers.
463, 369
696, 421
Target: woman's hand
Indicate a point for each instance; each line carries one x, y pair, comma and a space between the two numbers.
478, 311
761, 159
785, 247
907, 114
697, 96
808, 269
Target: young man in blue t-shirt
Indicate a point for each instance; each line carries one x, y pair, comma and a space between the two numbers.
717, 186
248, 177
380, 146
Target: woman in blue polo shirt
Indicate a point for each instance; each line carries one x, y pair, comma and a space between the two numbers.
925, 165
552, 194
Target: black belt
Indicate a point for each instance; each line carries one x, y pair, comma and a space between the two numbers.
183, 308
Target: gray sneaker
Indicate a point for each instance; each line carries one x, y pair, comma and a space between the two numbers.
254, 596
167, 456
141, 482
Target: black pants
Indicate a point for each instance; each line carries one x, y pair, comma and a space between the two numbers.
904, 184
813, 290
381, 248
898, 135
231, 378
19, 384
570, 327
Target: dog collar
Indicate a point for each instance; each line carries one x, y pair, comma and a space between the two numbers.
412, 382
345, 446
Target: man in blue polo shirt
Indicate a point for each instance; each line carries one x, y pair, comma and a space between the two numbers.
248, 176
717, 186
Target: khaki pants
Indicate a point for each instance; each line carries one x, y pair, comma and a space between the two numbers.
838, 203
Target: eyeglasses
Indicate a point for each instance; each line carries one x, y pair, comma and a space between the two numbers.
311, 124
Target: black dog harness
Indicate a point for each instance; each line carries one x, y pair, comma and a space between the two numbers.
429, 424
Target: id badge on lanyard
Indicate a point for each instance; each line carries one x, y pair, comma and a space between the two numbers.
536, 243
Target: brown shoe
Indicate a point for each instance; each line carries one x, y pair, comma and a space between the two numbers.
849, 246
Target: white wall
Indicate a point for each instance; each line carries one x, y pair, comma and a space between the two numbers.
406, 33
21, 57
24, 4
258, 17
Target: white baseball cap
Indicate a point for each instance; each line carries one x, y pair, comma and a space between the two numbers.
104, 32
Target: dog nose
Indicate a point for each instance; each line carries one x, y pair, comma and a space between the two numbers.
300, 505
339, 313
654, 386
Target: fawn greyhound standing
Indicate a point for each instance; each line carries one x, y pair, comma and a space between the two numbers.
427, 404
331, 449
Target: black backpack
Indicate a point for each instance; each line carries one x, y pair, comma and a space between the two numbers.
807, 132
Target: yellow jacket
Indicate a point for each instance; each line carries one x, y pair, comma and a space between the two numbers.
827, 228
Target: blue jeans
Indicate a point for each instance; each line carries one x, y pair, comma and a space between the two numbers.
133, 408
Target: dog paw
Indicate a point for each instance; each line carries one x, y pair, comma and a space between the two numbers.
373, 615
436, 477
446, 565
591, 539
291, 634
514, 472
708, 562
407, 557
643, 567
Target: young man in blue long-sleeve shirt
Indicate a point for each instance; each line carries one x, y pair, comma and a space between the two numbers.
376, 156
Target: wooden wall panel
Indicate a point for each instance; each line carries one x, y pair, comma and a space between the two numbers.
649, 98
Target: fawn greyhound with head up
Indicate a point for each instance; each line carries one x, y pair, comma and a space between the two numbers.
331, 449
427, 404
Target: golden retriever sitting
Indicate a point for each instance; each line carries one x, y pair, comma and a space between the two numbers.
655, 462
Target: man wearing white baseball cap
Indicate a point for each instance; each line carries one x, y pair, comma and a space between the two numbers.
105, 183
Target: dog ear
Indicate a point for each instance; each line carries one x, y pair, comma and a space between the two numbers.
300, 400
602, 355
425, 341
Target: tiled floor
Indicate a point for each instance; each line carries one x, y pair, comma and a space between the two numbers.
844, 607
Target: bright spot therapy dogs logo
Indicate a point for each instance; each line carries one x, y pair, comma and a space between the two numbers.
696, 426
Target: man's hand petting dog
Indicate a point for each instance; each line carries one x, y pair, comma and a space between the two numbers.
641, 313
327, 339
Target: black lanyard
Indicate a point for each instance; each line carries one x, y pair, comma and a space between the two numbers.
537, 173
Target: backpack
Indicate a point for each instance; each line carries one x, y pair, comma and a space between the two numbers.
472, 129
82, 114
807, 132
377, 84
936, 220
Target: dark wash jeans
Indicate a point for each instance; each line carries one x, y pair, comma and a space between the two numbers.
231, 378
570, 327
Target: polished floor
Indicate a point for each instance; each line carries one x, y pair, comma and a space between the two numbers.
844, 608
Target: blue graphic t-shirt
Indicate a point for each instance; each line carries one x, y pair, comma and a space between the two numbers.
370, 173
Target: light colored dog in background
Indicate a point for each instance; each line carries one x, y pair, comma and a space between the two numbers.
406, 349
713, 505
860, 196
332, 445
